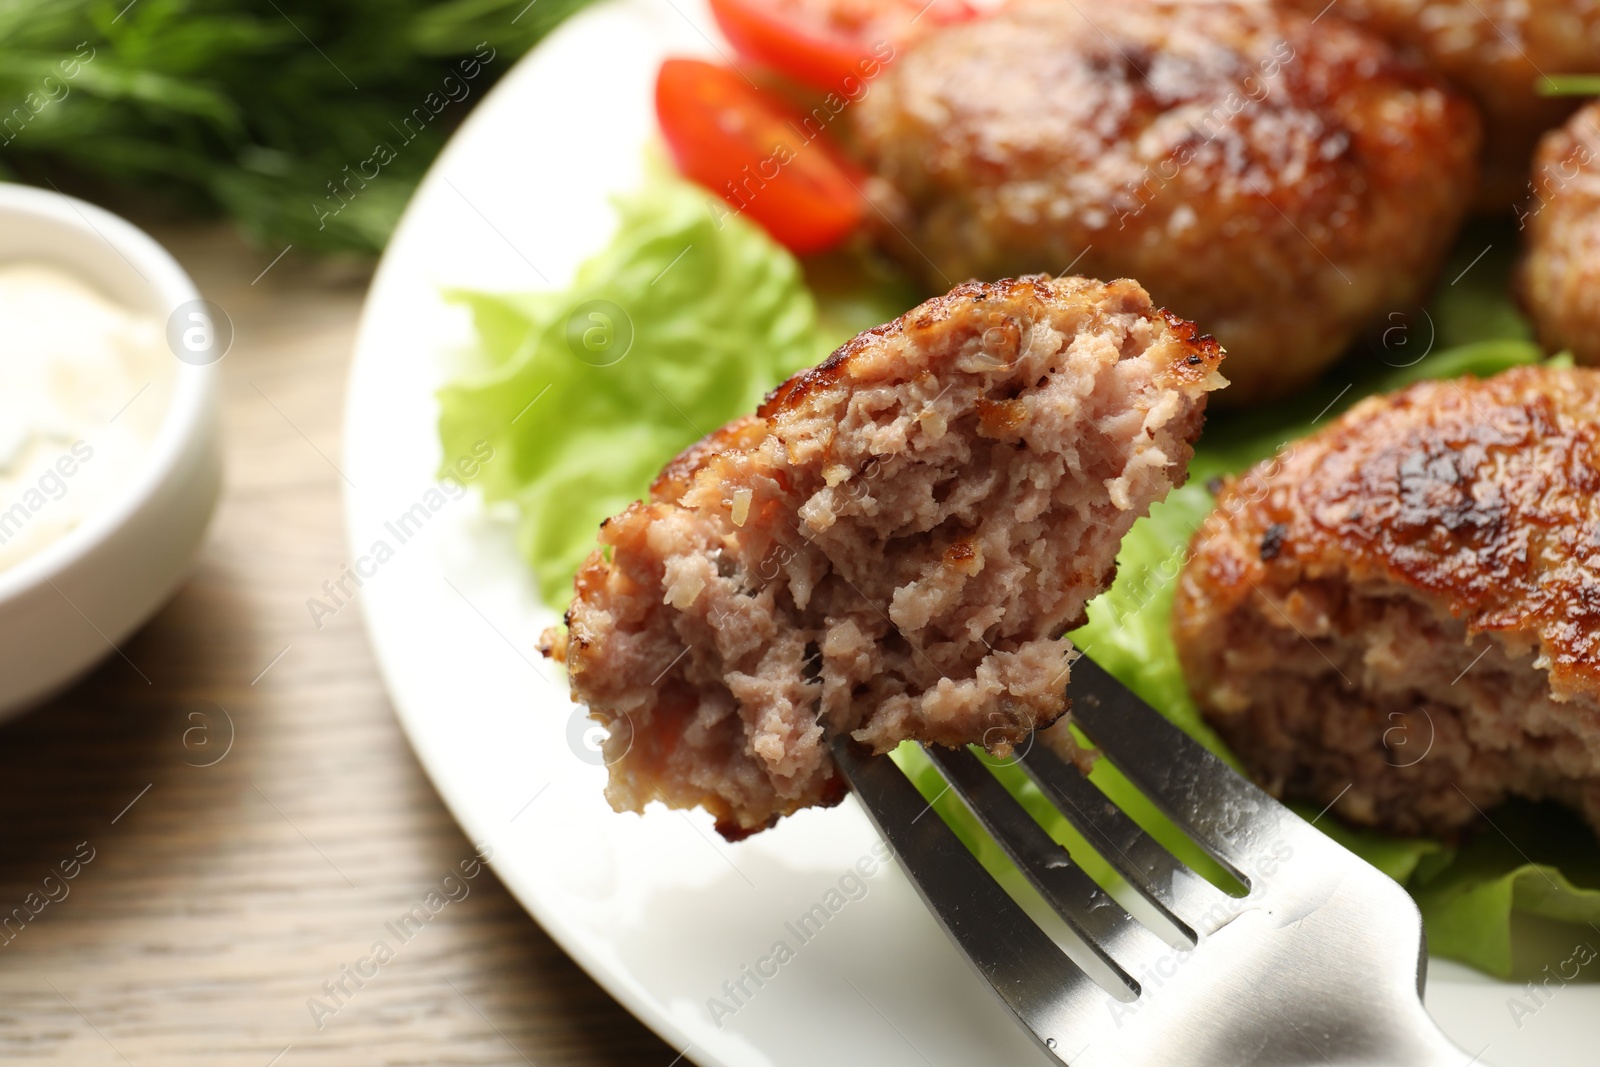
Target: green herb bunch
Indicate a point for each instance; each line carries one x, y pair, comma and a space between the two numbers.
308, 121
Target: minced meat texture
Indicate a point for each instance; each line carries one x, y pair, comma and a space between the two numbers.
1400, 615
891, 547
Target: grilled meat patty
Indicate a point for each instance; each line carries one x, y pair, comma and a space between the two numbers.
1559, 276
892, 546
1498, 51
1285, 183
1401, 615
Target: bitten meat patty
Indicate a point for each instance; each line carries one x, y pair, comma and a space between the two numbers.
1559, 277
1498, 51
892, 546
1282, 182
1401, 615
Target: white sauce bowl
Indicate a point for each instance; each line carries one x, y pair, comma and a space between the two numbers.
74, 601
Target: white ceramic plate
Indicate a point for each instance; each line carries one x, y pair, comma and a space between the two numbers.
658, 908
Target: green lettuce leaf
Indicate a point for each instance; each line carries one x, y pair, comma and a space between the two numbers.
1533, 860
1569, 85
676, 327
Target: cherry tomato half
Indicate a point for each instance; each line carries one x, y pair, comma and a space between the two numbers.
748, 146
820, 43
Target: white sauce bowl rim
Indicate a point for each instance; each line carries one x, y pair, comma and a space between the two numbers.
193, 399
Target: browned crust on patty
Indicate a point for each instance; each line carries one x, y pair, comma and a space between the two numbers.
1481, 495
1427, 564
1279, 181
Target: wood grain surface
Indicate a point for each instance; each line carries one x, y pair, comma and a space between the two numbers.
228, 883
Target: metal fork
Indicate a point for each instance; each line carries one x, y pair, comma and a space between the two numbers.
1321, 961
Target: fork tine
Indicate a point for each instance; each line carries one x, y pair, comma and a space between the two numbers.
1049, 994
1224, 813
1103, 924
1178, 893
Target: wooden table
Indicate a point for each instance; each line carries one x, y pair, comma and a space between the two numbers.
220, 898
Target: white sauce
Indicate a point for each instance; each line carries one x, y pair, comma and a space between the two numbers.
84, 383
